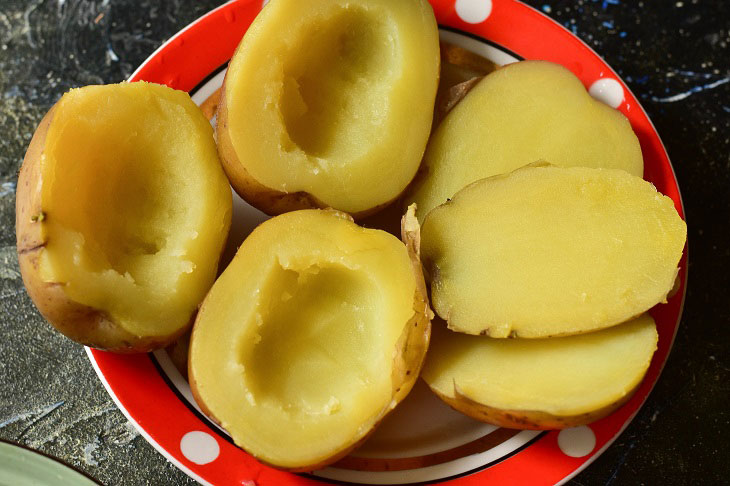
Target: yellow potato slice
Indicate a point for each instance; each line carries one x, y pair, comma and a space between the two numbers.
540, 383
316, 330
520, 114
329, 103
549, 251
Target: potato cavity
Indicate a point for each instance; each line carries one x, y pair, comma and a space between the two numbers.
540, 383
298, 347
136, 207
549, 251
317, 319
329, 98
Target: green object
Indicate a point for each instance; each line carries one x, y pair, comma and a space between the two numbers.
23, 467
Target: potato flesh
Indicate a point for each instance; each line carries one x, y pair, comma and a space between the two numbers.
305, 328
327, 97
551, 251
563, 377
293, 348
520, 114
120, 167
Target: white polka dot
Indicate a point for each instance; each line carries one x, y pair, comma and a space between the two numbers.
199, 447
577, 442
609, 91
473, 11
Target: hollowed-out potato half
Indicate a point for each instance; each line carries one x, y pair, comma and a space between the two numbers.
122, 213
540, 383
329, 103
550, 251
522, 113
314, 332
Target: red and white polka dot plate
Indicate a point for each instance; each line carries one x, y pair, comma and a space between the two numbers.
423, 441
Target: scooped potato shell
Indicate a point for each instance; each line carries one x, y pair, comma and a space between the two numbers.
48, 210
328, 103
408, 358
83, 324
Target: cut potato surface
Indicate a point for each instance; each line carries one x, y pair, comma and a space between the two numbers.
123, 210
314, 332
540, 383
329, 103
548, 251
523, 113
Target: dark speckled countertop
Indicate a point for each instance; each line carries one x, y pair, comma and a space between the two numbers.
673, 55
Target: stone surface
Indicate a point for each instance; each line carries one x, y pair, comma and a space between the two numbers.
673, 55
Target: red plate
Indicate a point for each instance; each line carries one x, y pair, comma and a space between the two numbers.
423, 441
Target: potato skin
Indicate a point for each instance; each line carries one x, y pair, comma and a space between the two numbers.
527, 419
412, 346
81, 323
461, 70
263, 198
413, 343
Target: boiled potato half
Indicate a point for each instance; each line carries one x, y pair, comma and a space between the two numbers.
540, 383
316, 330
122, 213
522, 113
550, 251
329, 103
